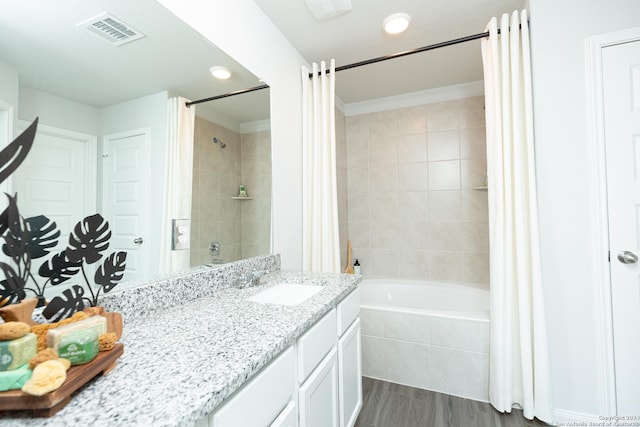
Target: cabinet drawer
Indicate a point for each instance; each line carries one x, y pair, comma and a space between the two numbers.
348, 310
315, 344
260, 401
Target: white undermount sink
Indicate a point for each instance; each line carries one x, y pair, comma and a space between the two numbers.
286, 294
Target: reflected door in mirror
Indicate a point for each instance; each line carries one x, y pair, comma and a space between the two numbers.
126, 198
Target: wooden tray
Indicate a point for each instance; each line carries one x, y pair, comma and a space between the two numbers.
77, 376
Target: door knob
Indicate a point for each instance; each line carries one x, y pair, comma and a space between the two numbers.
138, 241
627, 257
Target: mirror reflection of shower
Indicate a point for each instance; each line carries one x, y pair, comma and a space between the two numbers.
218, 141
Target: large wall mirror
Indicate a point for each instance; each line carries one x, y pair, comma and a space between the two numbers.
101, 93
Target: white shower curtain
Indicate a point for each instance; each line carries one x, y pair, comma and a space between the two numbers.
320, 242
178, 179
519, 363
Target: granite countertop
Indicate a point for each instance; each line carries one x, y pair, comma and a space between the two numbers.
181, 363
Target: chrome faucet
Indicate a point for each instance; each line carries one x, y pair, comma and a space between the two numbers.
250, 279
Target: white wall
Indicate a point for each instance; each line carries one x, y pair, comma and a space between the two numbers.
148, 111
241, 29
558, 32
9, 90
59, 112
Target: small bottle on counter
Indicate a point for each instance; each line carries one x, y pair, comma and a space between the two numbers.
356, 267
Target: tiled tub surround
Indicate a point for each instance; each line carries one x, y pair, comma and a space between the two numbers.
428, 335
183, 357
243, 227
413, 208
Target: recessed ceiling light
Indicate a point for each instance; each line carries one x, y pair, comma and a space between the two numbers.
396, 23
219, 72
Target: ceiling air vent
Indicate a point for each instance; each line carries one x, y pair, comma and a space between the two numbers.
111, 29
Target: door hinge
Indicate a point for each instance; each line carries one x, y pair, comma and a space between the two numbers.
104, 156
609, 256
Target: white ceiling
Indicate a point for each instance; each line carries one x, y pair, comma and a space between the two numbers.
357, 35
41, 41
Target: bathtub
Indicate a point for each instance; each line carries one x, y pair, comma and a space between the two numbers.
430, 335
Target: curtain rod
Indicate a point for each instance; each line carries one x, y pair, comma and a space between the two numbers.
361, 63
409, 52
226, 95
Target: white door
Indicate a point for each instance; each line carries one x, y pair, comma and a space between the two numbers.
57, 179
318, 396
126, 173
621, 77
350, 375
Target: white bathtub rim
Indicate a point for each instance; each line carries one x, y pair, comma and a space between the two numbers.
421, 282
480, 316
463, 314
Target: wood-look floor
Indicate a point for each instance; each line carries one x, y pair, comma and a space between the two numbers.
387, 404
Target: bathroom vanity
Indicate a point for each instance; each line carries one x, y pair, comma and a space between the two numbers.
198, 351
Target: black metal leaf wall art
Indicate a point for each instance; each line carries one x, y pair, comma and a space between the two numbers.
25, 240
61, 307
87, 243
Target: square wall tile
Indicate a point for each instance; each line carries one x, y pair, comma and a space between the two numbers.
443, 116
413, 206
384, 207
444, 175
372, 356
412, 120
384, 235
412, 177
413, 264
444, 205
406, 363
358, 180
413, 235
443, 145
383, 179
372, 322
412, 148
473, 143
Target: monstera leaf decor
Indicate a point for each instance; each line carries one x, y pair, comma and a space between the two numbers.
87, 243
27, 239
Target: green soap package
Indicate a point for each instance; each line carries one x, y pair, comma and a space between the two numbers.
15, 353
79, 346
15, 379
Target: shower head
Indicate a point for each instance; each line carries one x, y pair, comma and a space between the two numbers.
216, 140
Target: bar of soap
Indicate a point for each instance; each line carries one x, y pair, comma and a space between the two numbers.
16, 353
79, 346
54, 336
14, 380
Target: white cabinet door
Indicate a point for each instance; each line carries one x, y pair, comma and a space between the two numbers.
318, 396
288, 417
350, 375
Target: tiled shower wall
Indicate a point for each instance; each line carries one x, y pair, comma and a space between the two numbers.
241, 226
341, 178
256, 175
415, 206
